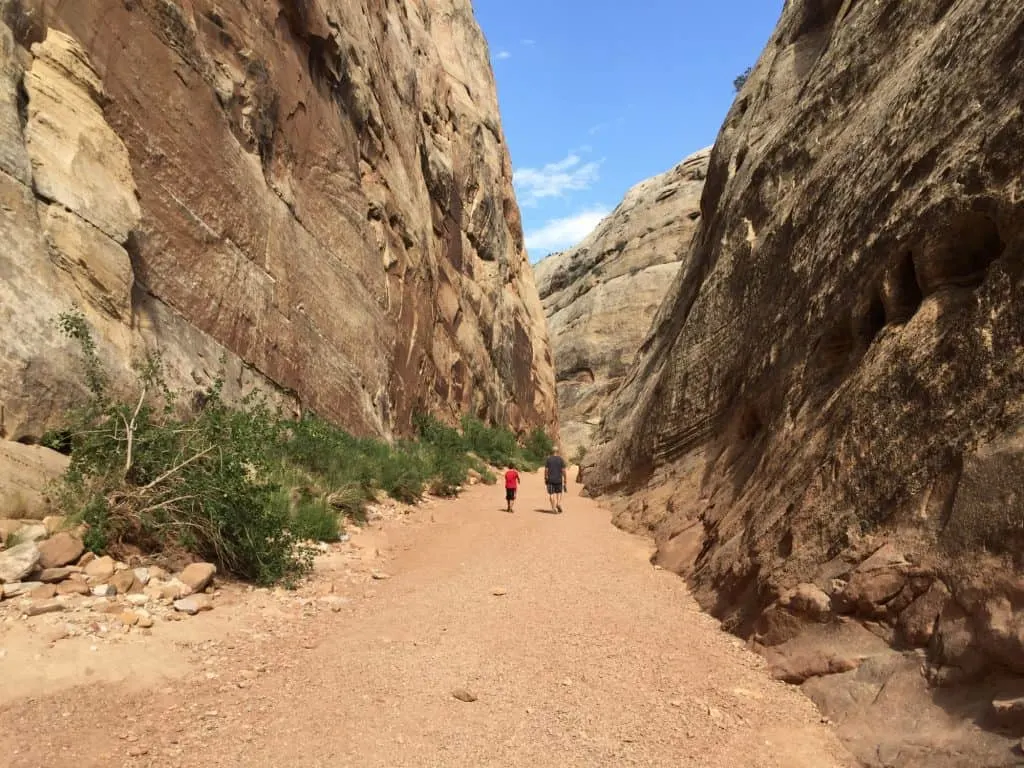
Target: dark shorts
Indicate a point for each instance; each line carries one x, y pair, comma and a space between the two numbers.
554, 488
510, 494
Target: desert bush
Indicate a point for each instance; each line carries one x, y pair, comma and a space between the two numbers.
741, 79
579, 455
538, 446
240, 485
139, 476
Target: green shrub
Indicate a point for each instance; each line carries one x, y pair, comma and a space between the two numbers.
313, 519
580, 455
239, 485
538, 447
741, 79
138, 476
494, 445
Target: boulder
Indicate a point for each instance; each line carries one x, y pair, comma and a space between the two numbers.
39, 609
60, 550
124, 582
198, 576
193, 604
55, 524
9, 527
100, 570
807, 600
34, 532
916, 624
56, 575
868, 591
44, 592
26, 471
73, 588
18, 562
798, 667
19, 588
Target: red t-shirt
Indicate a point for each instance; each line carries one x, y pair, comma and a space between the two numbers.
512, 479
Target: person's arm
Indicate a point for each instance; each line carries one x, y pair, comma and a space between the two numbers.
565, 478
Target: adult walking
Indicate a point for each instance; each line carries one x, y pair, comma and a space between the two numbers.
556, 479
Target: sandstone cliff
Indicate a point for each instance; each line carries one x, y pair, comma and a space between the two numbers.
841, 362
317, 192
600, 297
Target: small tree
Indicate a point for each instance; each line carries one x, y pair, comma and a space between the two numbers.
741, 79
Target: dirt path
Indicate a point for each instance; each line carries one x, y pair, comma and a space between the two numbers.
590, 658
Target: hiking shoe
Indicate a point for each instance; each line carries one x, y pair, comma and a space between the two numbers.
559, 509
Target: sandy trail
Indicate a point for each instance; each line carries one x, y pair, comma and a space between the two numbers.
590, 658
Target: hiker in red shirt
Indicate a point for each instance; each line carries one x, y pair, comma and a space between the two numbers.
511, 484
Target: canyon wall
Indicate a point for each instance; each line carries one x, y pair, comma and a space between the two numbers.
826, 422
600, 297
313, 197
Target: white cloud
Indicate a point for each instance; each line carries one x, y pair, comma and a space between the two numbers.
555, 179
559, 234
504, 55
528, 42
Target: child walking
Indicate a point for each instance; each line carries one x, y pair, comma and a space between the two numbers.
511, 485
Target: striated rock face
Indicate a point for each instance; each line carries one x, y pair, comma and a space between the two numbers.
601, 296
316, 192
840, 364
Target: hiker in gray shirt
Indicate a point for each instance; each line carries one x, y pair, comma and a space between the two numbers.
556, 479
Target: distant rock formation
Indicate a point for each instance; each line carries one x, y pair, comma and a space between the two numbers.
601, 296
319, 194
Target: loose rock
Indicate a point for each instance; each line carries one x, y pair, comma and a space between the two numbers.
123, 581
34, 533
463, 695
380, 576
54, 524
19, 588
38, 609
198, 576
57, 575
100, 570
104, 590
60, 550
18, 562
73, 588
174, 590
44, 592
193, 605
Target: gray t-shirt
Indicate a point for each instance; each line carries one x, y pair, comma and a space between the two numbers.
554, 466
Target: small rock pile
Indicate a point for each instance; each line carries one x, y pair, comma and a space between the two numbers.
48, 571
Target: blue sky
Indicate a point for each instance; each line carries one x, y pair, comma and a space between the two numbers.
596, 96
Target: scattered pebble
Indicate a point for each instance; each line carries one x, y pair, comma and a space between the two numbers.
463, 695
